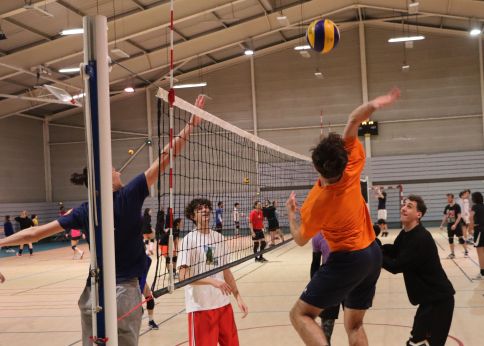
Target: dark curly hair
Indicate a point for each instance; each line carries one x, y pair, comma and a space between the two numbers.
477, 198
194, 204
330, 156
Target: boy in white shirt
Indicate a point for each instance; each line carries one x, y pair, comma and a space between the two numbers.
210, 315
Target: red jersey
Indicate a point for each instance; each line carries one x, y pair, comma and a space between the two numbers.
256, 218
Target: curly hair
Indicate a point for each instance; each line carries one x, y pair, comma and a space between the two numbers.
194, 204
330, 156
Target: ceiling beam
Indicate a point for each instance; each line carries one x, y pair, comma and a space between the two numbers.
28, 28
39, 4
139, 4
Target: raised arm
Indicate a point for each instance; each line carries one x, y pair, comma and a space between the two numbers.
163, 161
364, 111
32, 234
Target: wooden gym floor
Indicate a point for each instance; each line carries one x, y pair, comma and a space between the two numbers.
38, 302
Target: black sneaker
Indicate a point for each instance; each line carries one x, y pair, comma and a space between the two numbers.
153, 325
262, 259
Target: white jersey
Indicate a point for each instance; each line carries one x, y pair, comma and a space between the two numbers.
466, 210
202, 252
236, 215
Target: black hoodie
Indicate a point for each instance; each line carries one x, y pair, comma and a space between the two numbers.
414, 254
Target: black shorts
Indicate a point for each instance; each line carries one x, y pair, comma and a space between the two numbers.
218, 228
478, 237
273, 225
259, 235
432, 322
457, 232
237, 224
348, 277
76, 238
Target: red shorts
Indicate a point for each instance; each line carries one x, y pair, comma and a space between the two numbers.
164, 251
209, 327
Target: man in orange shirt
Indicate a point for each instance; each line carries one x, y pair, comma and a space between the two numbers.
335, 206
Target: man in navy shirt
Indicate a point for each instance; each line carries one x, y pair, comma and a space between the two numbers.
219, 217
129, 249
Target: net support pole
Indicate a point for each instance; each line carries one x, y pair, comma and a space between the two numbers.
254, 120
481, 74
98, 139
149, 121
364, 91
171, 278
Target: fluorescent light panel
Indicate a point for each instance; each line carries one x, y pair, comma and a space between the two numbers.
303, 47
475, 32
406, 38
190, 85
69, 69
73, 31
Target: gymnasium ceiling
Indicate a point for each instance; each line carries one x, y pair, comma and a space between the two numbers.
209, 34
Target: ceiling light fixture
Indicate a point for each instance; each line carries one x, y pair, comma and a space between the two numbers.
406, 38
73, 31
190, 85
249, 52
129, 89
413, 7
69, 70
475, 32
303, 47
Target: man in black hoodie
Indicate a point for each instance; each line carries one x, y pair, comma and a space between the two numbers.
414, 254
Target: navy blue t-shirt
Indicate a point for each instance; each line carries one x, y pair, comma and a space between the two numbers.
218, 216
128, 238
8, 228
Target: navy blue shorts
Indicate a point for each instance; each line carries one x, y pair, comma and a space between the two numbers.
347, 277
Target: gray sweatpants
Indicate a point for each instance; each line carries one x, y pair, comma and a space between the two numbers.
128, 295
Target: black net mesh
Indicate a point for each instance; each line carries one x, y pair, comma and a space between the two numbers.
222, 164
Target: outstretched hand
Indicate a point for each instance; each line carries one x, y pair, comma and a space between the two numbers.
200, 103
291, 203
386, 100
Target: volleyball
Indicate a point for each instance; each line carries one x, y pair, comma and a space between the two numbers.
246, 180
130, 151
322, 35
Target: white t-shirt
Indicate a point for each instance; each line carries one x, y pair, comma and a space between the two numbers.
236, 215
465, 210
202, 252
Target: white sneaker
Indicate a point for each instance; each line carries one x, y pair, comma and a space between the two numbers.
451, 256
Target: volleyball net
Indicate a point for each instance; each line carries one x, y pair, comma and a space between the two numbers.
234, 170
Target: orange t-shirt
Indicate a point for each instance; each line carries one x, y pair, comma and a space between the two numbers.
339, 210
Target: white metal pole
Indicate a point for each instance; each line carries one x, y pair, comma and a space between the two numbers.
149, 121
96, 40
254, 119
481, 72
47, 167
364, 92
